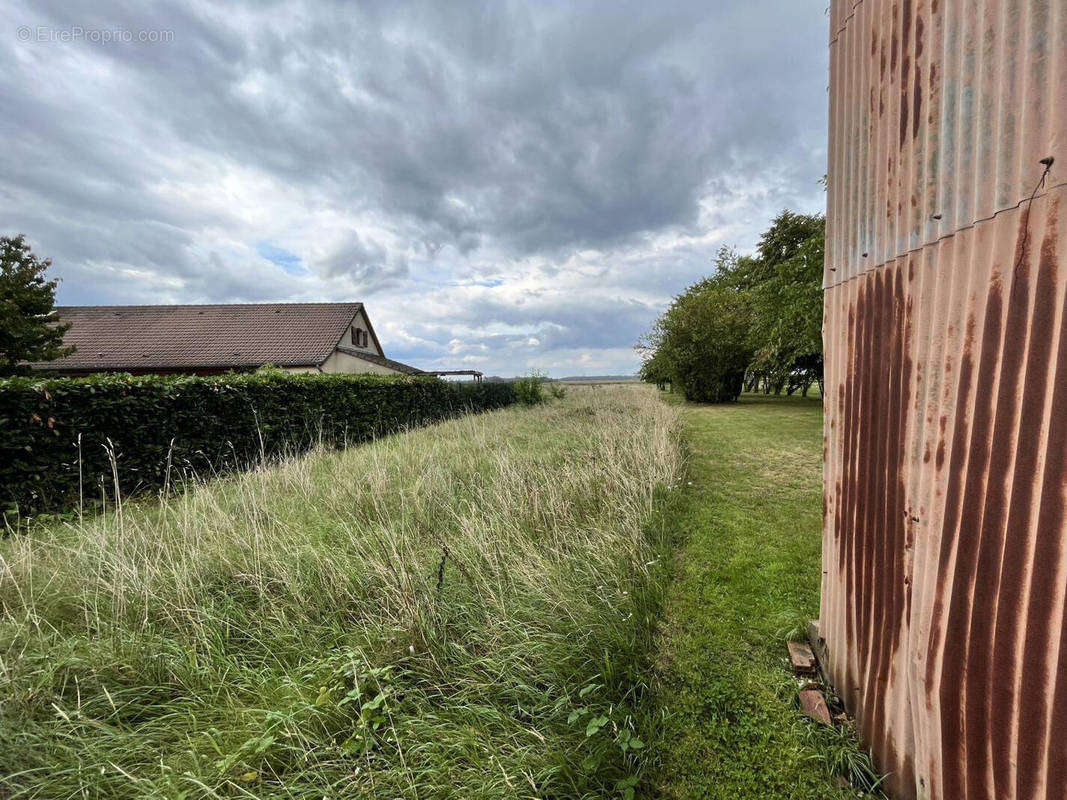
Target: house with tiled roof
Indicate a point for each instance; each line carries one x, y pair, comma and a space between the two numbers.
211, 339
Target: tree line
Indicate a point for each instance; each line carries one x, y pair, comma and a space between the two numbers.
755, 324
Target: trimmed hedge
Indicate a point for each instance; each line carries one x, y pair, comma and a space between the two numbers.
163, 427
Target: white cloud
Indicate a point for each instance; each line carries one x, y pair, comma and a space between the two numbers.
511, 185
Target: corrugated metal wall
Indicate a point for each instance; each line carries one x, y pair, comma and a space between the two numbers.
945, 538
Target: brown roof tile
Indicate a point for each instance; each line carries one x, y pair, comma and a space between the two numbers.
201, 336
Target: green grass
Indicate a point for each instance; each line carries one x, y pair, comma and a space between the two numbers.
464, 611
479, 609
747, 578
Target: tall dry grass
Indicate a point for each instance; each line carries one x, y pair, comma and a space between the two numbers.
460, 611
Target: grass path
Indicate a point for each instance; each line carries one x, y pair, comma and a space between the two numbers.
749, 574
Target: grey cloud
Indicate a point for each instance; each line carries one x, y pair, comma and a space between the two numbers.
552, 325
583, 131
469, 133
364, 260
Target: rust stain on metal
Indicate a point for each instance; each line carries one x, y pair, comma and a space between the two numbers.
945, 534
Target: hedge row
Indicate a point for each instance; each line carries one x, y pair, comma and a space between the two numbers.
55, 434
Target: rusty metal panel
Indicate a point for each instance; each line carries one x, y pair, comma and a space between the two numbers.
945, 535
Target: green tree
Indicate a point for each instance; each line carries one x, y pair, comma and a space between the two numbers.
787, 304
30, 329
710, 331
758, 315
654, 368
737, 271
787, 234
701, 344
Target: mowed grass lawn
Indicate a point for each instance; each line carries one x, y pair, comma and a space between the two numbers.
747, 577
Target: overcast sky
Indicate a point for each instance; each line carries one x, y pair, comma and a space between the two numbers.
507, 186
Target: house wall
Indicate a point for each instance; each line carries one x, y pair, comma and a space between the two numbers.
945, 534
342, 363
346, 340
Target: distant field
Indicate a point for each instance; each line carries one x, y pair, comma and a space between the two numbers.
597, 382
589, 379
464, 611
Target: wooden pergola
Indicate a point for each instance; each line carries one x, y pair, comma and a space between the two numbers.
471, 372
